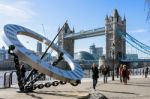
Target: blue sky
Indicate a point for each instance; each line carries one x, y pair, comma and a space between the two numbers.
81, 14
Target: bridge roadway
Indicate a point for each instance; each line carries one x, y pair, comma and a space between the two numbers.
137, 88
86, 34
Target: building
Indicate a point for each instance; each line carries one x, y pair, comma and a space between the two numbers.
2, 53
6, 60
39, 47
85, 59
83, 55
131, 56
66, 44
115, 25
97, 52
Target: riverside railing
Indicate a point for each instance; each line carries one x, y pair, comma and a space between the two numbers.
9, 78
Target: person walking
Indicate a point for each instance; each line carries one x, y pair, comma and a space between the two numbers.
105, 70
143, 72
125, 74
146, 71
95, 74
117, 71
120, 72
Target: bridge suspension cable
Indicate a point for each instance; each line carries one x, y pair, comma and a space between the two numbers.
135, 43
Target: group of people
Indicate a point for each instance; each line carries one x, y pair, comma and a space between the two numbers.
123, 72
104, 70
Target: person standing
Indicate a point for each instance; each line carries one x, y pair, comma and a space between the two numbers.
146, 71
117, 71
105, 70
125, 74
143, 72
95, 74
120, 72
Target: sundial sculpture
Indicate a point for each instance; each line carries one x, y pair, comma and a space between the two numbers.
72, 76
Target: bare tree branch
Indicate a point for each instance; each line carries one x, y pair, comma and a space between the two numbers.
147, 7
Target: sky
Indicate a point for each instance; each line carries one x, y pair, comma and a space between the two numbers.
81, 14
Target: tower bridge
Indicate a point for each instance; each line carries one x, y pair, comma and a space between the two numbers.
115, 38
67, 36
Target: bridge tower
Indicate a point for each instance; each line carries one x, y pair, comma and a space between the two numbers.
115, 45
66, 44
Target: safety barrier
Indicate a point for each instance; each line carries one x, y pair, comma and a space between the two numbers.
134, 72
9, 80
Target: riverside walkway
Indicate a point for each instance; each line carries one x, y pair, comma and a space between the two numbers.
137, 88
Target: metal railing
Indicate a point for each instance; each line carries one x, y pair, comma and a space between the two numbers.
133, 72
10, 78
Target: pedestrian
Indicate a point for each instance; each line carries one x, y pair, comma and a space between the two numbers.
143, 73
120, 72
95, 74
105, 71
22, 73
125, 74
146, 71
128, 73
117, 71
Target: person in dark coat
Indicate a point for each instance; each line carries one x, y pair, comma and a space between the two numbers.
105, 71
117, 71
146, 71
125, 74
120, 72
95, 74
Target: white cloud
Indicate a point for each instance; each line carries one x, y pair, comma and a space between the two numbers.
16, 12
23, 2
138, 31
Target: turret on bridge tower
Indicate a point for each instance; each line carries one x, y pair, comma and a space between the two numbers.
115, 45
66, 44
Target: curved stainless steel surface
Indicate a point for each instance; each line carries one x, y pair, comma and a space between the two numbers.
10, 37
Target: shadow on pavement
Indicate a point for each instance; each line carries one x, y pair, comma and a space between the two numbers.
58, 93
141, 85
64, 91
34, 96
146, 84
118, 92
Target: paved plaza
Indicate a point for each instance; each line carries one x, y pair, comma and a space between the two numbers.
137, 88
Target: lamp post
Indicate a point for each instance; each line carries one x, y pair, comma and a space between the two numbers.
113, 55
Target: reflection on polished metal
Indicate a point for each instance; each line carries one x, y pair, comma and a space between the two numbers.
10, 37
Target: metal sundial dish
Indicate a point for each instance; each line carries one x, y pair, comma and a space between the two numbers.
10, 37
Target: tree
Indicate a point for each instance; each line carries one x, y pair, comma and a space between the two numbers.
147, 6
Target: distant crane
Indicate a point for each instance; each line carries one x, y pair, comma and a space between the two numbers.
43, 30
